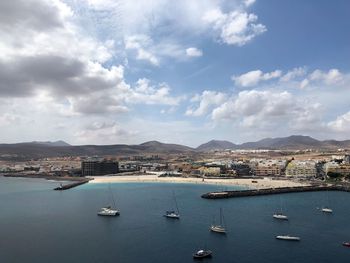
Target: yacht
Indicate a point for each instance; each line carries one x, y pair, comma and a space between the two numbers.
327, 210
173, 214
202, 254
280, 216
346, 244
221, 227
108, 211
288, 238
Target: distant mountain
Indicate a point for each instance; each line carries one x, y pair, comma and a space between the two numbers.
297, 142
155, 146
216, 145
33, 150
48, 143
294, 142
24, 151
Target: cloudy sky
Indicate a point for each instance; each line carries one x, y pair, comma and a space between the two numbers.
186, 71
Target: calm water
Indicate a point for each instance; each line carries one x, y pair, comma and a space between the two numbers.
41, 225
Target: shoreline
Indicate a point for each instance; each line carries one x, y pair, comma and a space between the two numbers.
256, 183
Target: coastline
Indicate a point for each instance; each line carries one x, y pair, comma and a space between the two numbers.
260, 183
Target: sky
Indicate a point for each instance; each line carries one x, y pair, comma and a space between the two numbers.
186, 71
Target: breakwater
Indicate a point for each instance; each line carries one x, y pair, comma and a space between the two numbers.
270, 191
71, 185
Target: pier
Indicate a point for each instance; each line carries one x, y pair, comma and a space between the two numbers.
270, 191
71, 185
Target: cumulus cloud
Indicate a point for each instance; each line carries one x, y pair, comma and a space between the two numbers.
206, 100
139, 43
194, 52
234, 28
268, 108
252, 78
103, 132
341, 123
323, 78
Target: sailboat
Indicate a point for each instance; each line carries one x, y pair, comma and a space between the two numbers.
108, 210
280, 215
288, 238
221, 227
326, 209
171, 213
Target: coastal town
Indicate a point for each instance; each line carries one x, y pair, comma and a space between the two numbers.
254, 168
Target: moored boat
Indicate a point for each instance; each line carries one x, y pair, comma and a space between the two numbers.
221, 227
108, 211
346, 244
173, 214
280, 216
288, 238
327, 210
202, 253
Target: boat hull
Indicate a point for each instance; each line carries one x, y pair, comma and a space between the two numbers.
280, 217
218, 229
346, 244
288, 238
205, 254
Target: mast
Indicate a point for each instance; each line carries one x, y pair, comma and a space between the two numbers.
220, 216
177, 208
111, 194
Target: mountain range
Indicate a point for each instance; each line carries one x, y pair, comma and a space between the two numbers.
60, 148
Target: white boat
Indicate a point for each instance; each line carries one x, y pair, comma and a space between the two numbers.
288, 238
202, 254
173, 214
109, 211
280, 216
221, 227
327, 210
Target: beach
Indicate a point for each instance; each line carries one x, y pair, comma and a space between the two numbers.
260, 183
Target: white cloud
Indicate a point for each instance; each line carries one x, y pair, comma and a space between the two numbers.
234, 28
252, 78
146, 93
139, 43
194, 52
319, 78
207, 100
341, 123
293, 74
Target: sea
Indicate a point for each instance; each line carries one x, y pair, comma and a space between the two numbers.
38, 224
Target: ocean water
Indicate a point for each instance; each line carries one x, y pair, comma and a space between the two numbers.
38, 224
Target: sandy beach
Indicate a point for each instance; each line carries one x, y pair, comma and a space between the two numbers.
260, 183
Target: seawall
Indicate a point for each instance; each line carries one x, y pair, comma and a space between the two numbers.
270, 191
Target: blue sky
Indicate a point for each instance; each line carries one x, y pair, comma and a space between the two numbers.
118, 71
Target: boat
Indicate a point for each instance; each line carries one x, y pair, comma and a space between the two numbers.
346, 244
327, 210
108, 210
221, 227
288, 238
202, 253
173, 214
280, 214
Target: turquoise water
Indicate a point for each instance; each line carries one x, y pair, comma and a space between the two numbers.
41, 225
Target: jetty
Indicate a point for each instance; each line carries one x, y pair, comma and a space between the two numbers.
270, 191
70, 185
